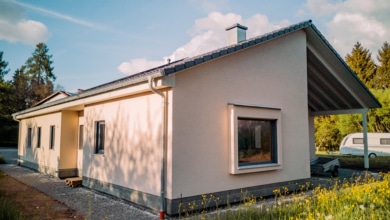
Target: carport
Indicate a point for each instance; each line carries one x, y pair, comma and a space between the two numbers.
333, 88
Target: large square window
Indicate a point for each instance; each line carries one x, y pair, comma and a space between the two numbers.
255, 138
256, 141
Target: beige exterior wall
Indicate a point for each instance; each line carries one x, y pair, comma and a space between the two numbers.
132, 151
273, 74
69, 137
47, 158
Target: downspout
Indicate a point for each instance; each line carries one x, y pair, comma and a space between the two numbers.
163, 145
19, 132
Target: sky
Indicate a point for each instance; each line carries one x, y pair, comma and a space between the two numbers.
96, 41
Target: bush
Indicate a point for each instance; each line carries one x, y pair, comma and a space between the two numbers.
2, 161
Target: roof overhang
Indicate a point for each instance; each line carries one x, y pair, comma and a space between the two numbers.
333, 88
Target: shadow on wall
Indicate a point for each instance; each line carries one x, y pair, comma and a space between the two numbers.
132, 147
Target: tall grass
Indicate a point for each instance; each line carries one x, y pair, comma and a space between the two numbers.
8, 211
360, 198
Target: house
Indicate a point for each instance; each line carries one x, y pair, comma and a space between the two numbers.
237, 118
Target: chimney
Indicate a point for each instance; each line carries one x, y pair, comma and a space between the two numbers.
236, 34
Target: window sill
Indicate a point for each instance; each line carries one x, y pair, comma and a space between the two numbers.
257, 168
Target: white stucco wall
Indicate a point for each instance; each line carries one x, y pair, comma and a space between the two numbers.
43, 156
132, 142
272, 74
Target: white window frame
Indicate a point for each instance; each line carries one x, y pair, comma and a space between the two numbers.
256, 112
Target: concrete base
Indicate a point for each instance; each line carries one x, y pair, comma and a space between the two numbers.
60, 173
174, 206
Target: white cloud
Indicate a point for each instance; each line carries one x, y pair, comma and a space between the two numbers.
14, 28
207, 34
138, 65
62, 16
349, 21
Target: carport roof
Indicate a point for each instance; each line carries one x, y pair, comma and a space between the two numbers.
332, 86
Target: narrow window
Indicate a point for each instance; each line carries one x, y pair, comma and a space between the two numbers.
99, 138
256, 141
52, 136
29, 137
385, 141
357, 140
39, 137
81, 134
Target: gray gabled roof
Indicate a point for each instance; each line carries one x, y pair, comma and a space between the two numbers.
315, 104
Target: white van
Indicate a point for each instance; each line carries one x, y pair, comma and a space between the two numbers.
378, 144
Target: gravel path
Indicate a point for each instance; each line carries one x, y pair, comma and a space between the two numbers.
92, 204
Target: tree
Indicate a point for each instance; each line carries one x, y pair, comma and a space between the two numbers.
327, 135
361, 63
21, 89
383, 70
3, 67
8, 127
379, 118
40, 74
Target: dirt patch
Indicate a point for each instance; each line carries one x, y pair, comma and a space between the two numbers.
33, 203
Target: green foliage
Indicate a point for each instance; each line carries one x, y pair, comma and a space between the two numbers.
383, 69
3, 67
327, 135
361, 63
39, 75
8, 211
379, 119
347, 124
8, 127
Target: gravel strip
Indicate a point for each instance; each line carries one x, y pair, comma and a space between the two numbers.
92, 204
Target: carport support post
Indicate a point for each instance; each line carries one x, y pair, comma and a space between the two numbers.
365, 142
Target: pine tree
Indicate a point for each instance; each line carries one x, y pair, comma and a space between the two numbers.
40, 74
8, 127
383, 70
361, 63
3, 67
21, 89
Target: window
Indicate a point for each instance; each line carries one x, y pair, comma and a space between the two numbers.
385, 141
255, 138
99, 138
29, 137
256, 141
39, 137
52, 137
357, 140
81, 136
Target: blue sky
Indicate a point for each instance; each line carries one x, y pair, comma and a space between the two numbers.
96, 41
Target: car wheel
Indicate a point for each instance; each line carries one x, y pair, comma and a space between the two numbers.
372, 156
335, 171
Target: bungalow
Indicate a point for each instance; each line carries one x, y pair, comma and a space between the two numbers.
237, 118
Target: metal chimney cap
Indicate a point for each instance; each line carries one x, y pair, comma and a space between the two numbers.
238, 26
